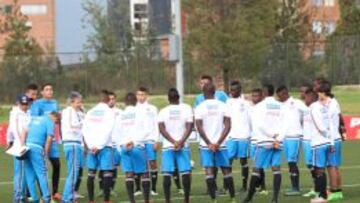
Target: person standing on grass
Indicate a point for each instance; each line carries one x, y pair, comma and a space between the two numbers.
32, 91
38, 137
212, 118
322, 142
309, 129
129, 134
97, 131
19, 119
42, 107
294, 110
238, 139
256, 98
175, 124
71, 124
269, 143
152, 139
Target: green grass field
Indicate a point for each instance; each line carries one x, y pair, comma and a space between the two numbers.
350, 174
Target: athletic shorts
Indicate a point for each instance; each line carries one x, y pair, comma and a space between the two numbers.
266, 157
292, 149
252, 151
321, 156
307, 152
172, 159
134, 160
219, 158
335, 158
117, 157
103, 160
237, 148
54, 150
150, 152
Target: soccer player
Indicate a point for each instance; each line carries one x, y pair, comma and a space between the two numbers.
97, 131
322, 142
309, 129
213, 122
303, 88
71, 124
42, 107
175, 124
129, 135
219, 95
269, 139
38, 137
238, 139
256, 97
293, 109
19, 120
152, 139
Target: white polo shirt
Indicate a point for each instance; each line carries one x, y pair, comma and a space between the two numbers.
240, 118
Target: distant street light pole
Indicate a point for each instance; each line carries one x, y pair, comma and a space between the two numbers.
180, 62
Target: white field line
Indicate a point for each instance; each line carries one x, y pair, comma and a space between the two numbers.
196, 173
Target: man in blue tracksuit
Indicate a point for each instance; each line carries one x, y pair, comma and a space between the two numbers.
37, 136
42, 107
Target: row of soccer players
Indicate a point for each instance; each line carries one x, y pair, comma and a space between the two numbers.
213, 120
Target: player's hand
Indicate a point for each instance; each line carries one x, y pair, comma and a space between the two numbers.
94, 150
276, 145
212, 147
176, 145
332, 149
129, 146
156, 146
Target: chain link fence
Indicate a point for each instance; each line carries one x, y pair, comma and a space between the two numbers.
289, 63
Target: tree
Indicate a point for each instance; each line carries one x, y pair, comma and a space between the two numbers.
229, 35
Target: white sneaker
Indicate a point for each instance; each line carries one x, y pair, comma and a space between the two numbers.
137, 193
78, 195
153, 193
318, 200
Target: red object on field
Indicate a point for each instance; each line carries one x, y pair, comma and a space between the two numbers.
3, 130
352, 125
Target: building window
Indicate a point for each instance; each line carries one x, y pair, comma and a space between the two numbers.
329, 2
317, 3
317, 27
330, 27
33, 9
140, 11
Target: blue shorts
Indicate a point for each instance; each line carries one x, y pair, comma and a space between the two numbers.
252, 151
82, 159
133, 161
150, 152
54, 150
172, 159
307, 152
237, 148
219, 158
117, 157
266, 157
321, 156
103, 160
292, 149
335, 158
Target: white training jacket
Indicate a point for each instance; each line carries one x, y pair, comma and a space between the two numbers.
293, 113
149, 112
117, 112
309, 127
129, 127
240, 118
254, 123
321, 118
18, 121
335, 111
71, 124
271, 121
98, 126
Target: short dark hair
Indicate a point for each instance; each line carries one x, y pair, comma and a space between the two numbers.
56, 115
143, 89
269, 88
209, 88
111, 93
206, 77
235, 83
320, 80
256, 90
32, 86
104, 96
130, 99
311, 93
281, 88
173, 95
325, 87
45, 85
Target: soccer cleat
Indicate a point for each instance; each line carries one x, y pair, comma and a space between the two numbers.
292, 192
318, 200
153, 193
77, 195
180, 191
263, 192
336, 196
56, 197
311, 193
138, 193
